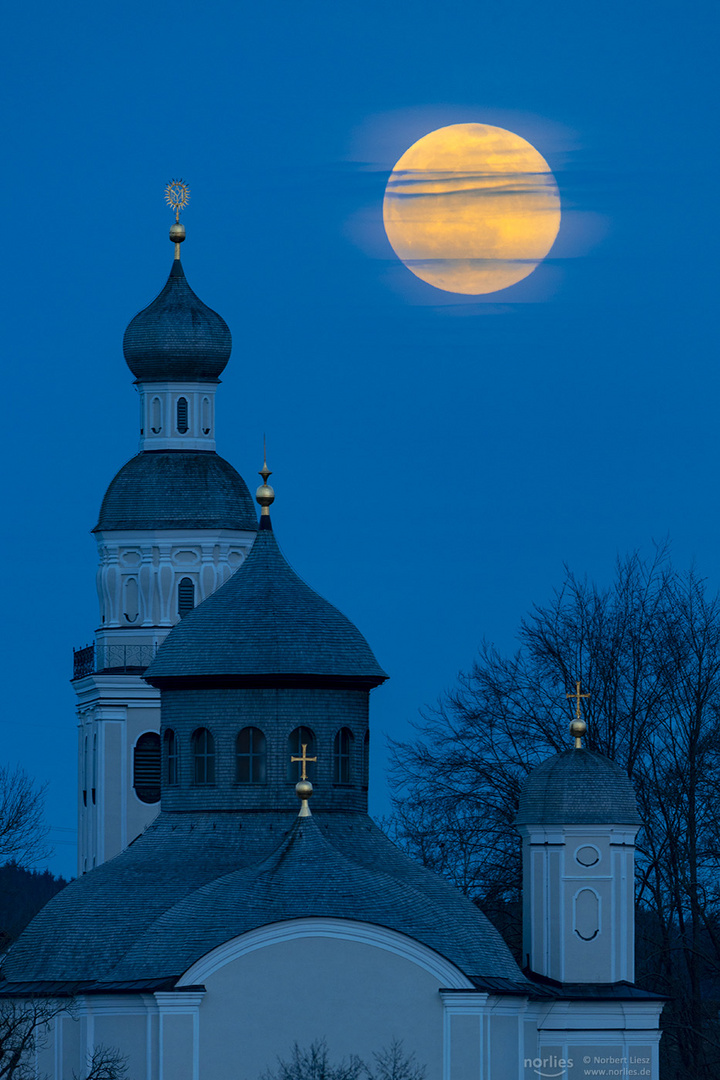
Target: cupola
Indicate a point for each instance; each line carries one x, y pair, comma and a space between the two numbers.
578, 820
263, 672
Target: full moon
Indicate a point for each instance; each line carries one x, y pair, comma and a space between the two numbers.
471, 208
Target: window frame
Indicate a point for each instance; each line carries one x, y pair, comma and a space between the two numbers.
172, 758
203, 757
254, 758
342, 757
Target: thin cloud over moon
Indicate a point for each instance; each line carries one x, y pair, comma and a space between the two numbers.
471, 208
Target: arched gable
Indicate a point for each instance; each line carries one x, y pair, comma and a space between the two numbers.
448, 975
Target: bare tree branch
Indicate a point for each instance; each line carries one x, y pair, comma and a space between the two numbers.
648, 650
23, 833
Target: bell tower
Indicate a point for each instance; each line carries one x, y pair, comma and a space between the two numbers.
578, 821
175, 523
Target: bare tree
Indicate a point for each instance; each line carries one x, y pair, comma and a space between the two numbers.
23, 834
392, 1063
313, 1063
23, 1030
647, 649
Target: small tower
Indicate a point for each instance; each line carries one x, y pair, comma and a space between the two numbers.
174, 524
578, 821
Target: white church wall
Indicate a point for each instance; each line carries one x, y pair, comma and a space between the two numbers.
159, 429
578, 907
356, 985
620, 1038
356, 996
113, 711
128, 1024
154, 561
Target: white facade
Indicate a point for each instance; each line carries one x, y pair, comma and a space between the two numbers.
359, 987
579, 902
177, 415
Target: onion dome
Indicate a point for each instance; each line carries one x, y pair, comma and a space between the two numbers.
177, 338
265, 626
177, 489
577, 787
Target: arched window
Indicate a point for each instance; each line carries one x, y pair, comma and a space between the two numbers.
171, 750
341, 756
366, 760
250, 756
205, 416
203, 746
182, 415
186, 596
146, 767
301, 736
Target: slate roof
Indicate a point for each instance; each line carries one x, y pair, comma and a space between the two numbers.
177, 337
177, 489
194, 881
577, 787
264, 621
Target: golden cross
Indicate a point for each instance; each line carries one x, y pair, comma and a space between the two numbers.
304, 759
577, 695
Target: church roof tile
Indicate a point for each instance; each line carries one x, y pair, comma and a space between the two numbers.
192, 882
265, 621
177, 489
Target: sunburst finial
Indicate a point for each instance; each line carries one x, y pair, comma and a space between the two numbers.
177, 196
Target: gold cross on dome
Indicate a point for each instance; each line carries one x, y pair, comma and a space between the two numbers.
304, 759
577, 695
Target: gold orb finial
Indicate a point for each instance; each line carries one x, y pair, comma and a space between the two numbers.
265, 495
577, 730
177, 196
304, 790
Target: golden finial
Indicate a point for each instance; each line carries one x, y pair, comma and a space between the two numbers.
177, 196
304, 788
578, 727
265, 495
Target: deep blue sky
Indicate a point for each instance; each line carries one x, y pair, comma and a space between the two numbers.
436, 460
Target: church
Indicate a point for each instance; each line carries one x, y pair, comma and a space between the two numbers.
233, 895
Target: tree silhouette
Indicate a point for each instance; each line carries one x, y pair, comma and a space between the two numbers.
647, 649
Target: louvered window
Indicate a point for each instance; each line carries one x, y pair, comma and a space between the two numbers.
203, 756
171, 749
146, 767
300, 737
250, 757
182, 415
341, 756
186, 596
